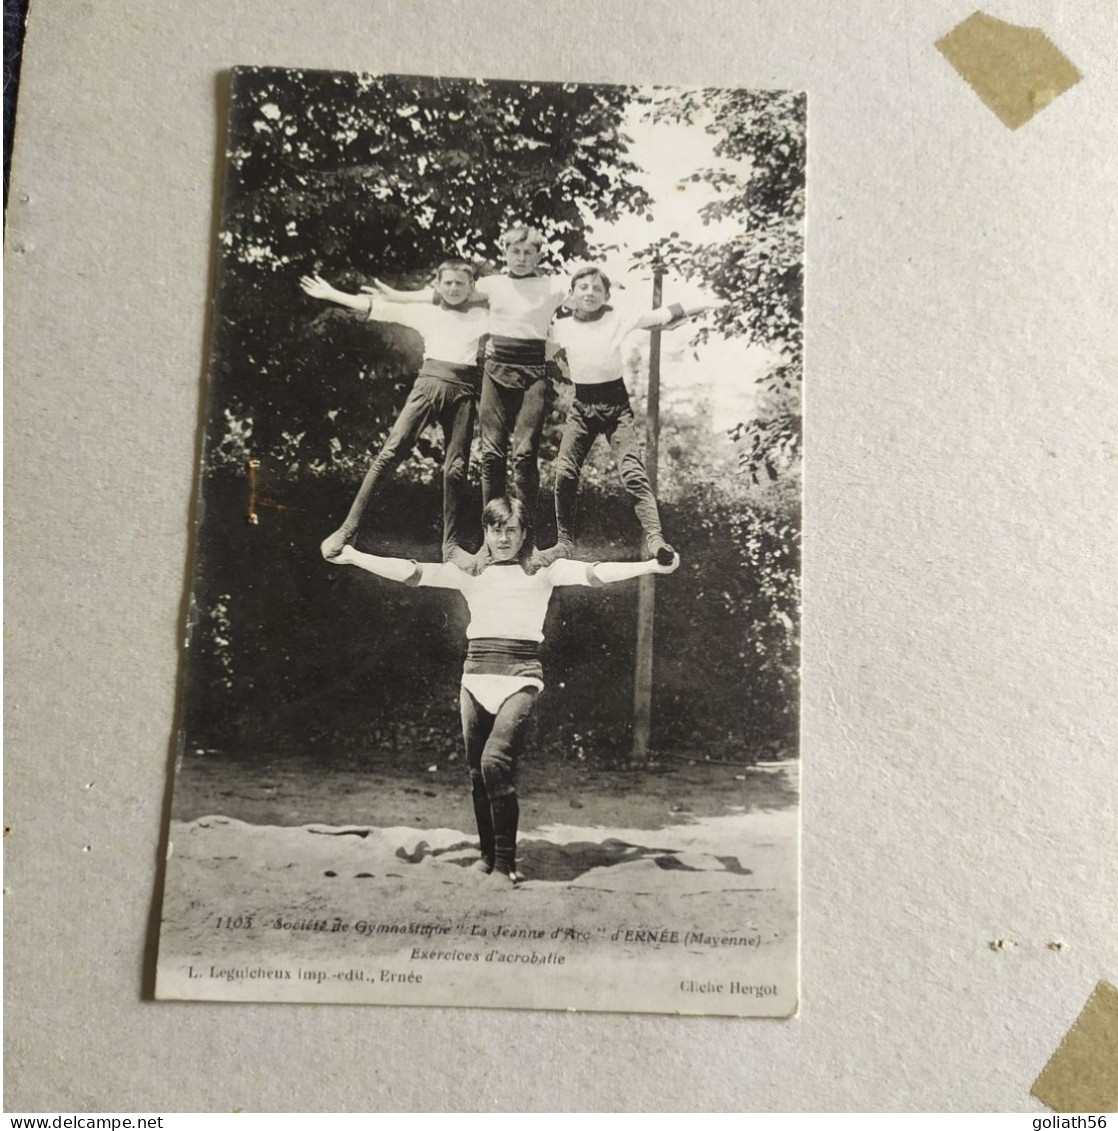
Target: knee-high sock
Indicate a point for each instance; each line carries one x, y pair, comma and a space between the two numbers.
483, 814
506, 816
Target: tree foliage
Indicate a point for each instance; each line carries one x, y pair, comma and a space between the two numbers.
360, 176
759, 270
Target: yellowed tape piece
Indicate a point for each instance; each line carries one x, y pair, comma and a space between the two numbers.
1082, 1074
1016, 71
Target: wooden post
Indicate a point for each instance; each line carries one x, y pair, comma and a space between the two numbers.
646, 596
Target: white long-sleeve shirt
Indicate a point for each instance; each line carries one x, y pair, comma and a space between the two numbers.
521, 307
504, 601
593, 346
450, 335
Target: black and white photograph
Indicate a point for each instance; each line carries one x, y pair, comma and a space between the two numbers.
491, 677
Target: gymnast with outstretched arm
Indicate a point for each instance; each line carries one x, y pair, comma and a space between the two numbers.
502, 676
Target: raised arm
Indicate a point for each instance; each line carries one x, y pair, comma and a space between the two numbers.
609, 572
392, 295
317, 287
392, 569
668, 317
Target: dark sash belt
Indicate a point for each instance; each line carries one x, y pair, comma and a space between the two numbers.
515, 351
500, 656
608, 392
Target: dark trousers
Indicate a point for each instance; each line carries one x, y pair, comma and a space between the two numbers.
511, 418
585, 423
453, 407
493, 747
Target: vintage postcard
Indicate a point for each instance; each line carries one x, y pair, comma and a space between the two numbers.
492, 668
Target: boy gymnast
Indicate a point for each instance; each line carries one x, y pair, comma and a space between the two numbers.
514, 387
591, 337
445, 391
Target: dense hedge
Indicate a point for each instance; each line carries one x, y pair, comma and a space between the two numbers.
289, 653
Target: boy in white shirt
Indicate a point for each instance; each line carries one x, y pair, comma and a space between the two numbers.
502, 676
591, 338
445, 391
514, 387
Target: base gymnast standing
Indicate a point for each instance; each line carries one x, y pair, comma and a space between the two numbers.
502, 676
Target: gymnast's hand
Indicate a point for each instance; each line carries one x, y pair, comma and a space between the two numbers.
336, 548
378, 288
317, 287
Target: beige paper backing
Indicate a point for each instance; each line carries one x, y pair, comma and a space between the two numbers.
961, 624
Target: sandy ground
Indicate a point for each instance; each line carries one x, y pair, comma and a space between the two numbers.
688, 906
435, 792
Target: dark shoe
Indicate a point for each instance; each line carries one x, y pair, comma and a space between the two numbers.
463, 559
333, 546
498, 879
541, 559
657, 548
469, 563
